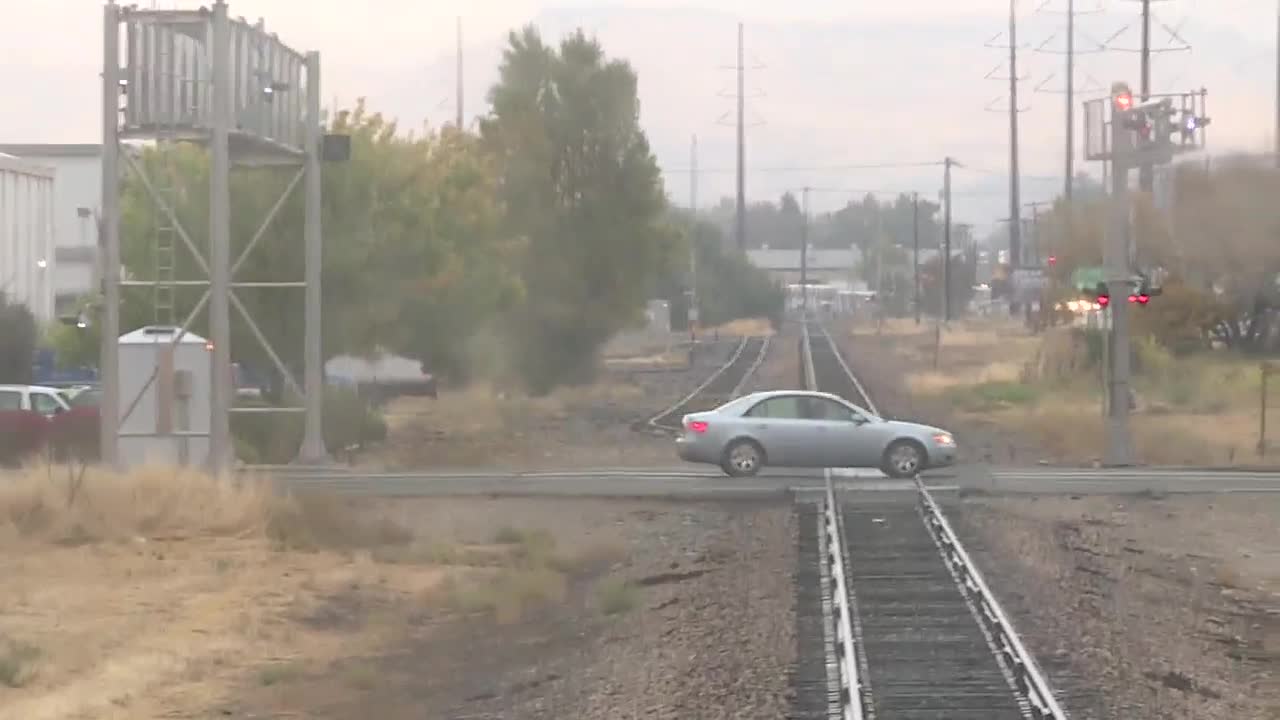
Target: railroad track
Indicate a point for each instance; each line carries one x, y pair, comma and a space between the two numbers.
720, 387
910, 629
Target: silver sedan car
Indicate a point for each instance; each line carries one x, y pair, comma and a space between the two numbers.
786, 428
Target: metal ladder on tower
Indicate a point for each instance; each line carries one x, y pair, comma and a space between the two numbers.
164, 250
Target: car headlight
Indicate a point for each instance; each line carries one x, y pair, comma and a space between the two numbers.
944, 439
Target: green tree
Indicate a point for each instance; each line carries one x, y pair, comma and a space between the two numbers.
412, 257
17, 342
581, 185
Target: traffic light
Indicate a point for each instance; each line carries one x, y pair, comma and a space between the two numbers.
1053, 260
1102, 295
1122, 98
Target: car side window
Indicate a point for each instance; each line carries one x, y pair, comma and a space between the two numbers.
10, 400
824, 409
786, 407
45, 404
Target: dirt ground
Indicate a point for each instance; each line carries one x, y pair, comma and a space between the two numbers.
1141, 607
331, 608
589, 426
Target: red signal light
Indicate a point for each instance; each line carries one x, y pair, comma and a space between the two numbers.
1053, 260
1124, 101
1143, 299
1104, 300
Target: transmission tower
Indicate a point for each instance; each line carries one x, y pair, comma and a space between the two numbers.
1015, 235
740, 123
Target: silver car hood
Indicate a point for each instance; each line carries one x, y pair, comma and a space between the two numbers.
914, 427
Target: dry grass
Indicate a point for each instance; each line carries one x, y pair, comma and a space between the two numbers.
481, 408
156, 593
746, 327
1200, 410
59, 504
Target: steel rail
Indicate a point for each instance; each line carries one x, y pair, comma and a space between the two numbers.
1030, 683
849, 682
659, 421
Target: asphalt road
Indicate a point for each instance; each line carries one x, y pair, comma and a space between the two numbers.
692, 482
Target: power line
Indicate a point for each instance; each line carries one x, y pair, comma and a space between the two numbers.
987, 171
818, 168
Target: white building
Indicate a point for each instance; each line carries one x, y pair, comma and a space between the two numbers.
26, 234
77, 197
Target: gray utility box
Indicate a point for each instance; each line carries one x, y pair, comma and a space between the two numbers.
164, 397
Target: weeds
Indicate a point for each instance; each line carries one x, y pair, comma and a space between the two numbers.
617, 596
991, 396
17, 662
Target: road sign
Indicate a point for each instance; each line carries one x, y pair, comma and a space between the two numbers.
1027, 283
1087, 278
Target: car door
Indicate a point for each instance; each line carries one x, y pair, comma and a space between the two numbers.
851, 437
778, 423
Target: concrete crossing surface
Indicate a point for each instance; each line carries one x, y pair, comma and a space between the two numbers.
692, 482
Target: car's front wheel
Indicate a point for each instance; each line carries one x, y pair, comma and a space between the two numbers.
903, 459
743, 458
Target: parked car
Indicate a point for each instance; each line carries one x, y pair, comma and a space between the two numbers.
47, 401
785, 428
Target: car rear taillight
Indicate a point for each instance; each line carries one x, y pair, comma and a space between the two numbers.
698, 426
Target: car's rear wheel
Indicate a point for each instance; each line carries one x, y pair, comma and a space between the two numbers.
743, 458
903, 459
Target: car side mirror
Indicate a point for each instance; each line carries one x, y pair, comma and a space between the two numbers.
857, 419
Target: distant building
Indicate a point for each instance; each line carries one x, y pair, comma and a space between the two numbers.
827, 266
77, 197
26, 234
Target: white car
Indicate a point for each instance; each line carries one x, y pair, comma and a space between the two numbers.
47, 401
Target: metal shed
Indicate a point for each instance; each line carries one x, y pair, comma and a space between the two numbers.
165, 387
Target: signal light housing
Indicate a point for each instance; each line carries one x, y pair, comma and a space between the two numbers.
1102, 294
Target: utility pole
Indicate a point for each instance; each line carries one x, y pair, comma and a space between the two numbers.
1069, 180
1145, 175
220, 388
1119, 451
740, 226
693, 238
1035, 228
915, 253
1015, 235
109, 243
804, 253
879, 269
461, 127
946, 238
1277, 138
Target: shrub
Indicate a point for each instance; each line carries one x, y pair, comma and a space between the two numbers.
273, 438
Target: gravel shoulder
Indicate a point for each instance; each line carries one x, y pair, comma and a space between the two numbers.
1141, 607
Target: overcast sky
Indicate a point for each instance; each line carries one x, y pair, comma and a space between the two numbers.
837, 85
